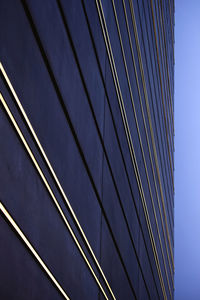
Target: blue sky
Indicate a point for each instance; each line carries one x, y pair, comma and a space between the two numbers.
187, 149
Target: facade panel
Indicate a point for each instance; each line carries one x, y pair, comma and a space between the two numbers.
87, 149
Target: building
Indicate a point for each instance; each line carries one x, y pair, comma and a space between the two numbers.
87, 149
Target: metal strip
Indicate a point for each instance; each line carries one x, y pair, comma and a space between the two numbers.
152, 137
167, 91
165, 66
143, 155
150, 123
162, 95
32, 250
162, 18
169, 190
54, 175
128, 135
161, 132
50, 191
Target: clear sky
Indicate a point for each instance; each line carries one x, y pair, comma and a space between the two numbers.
187, 149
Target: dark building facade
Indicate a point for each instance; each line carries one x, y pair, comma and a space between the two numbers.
87, 149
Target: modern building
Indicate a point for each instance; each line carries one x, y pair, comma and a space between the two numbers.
87, 149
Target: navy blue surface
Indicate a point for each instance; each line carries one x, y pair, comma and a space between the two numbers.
55, 55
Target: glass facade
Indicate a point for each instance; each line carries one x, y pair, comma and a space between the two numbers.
87, 149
